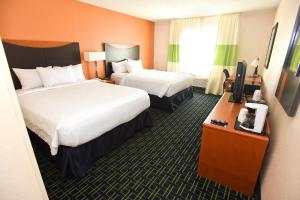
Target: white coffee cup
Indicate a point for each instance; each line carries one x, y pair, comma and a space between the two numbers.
257, 95
243, 115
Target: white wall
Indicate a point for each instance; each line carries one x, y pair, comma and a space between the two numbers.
19, 174
254, 33
255, 29
281, 174
161, 41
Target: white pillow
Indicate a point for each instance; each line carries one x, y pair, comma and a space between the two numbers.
29, 78
56, 76
119, 67
78, 72
134, 66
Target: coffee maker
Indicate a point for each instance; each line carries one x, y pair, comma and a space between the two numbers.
255, 118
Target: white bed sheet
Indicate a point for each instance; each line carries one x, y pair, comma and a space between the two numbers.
155, 82
76, 113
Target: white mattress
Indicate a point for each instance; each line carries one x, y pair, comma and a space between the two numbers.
74, 114
117, 77
155, 82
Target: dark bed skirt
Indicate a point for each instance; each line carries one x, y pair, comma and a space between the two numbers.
75, 161
171, 103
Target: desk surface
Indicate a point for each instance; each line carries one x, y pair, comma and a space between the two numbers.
248, 80
228, 111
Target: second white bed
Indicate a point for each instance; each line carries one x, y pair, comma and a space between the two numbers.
155, 82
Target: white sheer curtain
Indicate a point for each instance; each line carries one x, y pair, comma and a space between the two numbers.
197, 45
225, 54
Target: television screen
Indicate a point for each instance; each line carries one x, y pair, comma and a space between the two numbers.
238, 88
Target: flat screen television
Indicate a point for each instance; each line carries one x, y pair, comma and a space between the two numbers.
238, 88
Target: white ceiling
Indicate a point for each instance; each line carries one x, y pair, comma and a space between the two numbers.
155, 10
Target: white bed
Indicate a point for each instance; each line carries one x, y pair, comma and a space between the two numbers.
73, 114
155, 82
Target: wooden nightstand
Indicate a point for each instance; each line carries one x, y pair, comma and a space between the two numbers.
107, 81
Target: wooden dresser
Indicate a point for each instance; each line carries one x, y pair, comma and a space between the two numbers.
229, 156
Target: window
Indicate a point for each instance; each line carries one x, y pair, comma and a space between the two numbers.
197, 46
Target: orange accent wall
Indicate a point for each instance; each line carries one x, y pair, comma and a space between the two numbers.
70, 20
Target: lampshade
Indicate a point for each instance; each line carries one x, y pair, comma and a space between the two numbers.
94, 56
255, 62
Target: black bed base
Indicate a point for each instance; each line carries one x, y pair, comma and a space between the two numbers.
171, 103
75, 161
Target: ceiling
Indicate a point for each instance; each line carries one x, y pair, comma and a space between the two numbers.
155, 10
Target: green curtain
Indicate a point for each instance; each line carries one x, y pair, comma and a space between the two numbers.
295, 59
226, 55
173, 53
173, 48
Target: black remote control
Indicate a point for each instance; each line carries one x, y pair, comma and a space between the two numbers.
218, 122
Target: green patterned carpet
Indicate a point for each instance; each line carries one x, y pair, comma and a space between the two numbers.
157, 163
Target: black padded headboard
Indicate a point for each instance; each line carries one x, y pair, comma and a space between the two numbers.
31, 57
119, 52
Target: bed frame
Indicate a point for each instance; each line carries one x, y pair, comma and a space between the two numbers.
71, 161
120, 52
117, 53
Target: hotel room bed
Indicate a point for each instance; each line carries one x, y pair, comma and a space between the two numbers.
60, 116
80, 121
155, 82
166, 89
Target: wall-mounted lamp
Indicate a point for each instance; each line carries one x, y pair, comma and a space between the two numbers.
94, 57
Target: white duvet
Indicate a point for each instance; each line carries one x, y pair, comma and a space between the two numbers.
155, 82
74, 114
